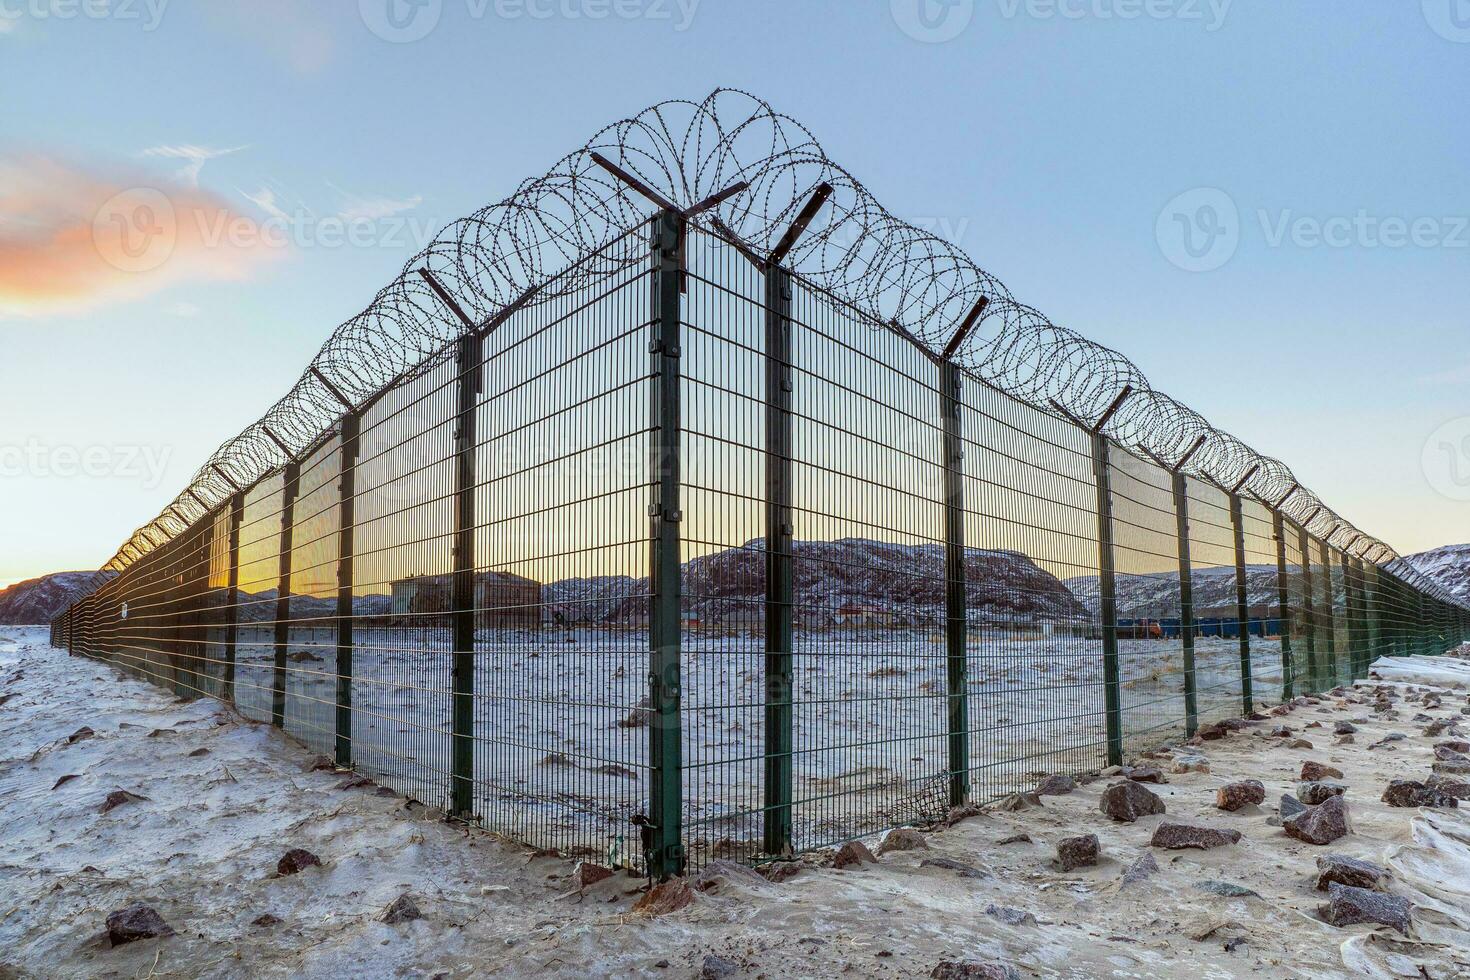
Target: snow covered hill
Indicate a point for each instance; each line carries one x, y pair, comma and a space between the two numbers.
34, 601
1449, 566
1157, 594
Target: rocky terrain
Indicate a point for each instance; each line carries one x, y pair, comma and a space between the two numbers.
34, 601
153, 836
1449, 566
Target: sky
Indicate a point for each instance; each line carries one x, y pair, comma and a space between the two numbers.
1264, 205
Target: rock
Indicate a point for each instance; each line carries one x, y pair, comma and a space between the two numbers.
265, 920
1313, 771
320, 763
1347, 871
198, 753
1144, 774
958, 813
853, 854
1344, 728
117, 798
902, 839
1212, 733
1454, 745
1321, 824
665, 898
1111, 771
1077, 852
1281, 731
717, 968
779, 871
1387, 739
586, 873
79, 734
1297, 743
1190, 763
949, 864
1343, 740
65, 779
1444, 754
1411, 792
295, 860
1127, 801
1313, 793
1054, 785
1010, 916
972, 970
718, 876
136, 922
1019, 801
1226, 889
1348, 906
1178, 836
1022, 838
403, 909
1233, 796
1141, 869
1457, 788
1452, 768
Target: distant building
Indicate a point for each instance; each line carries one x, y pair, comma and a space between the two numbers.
501, 599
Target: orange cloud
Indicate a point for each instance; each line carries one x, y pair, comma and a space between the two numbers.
72, 238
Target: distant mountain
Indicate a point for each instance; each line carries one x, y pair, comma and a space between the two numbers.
34, 601
1156, 595
1449, 566
849, 579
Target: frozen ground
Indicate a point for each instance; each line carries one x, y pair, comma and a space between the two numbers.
203, 846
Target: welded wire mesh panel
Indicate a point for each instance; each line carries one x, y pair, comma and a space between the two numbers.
311, 652
256, 605
216, 607
1263, 602
1146, 553
1324, 615
1298, 601
1034, 643
724, 528
560, 588
1343, 615
403, 522
870, 728
1217, 667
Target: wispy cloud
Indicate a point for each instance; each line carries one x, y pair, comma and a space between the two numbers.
358, 207
75, 237
194, 157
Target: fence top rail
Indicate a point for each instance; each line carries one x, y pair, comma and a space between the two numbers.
734, 166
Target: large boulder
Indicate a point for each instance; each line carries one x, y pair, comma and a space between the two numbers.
1313, 771
1321, 824
1317, 792
1233, 796
1127, 801
1077, 852
1348, 906
1349, 871
1178, 836
1411, 792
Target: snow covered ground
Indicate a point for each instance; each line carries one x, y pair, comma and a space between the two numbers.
226, 797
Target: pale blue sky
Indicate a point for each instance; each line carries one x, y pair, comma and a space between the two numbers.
1047, 144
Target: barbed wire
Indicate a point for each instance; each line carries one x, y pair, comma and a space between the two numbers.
855, 250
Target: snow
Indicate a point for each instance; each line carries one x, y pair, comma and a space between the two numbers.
202, 850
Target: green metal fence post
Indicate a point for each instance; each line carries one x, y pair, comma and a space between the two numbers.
470, 369
666, 850
956, 631
1186, 602
232, 597
1283, 603
346, 508
780, 580
290, 486
1108, 600
1242, 607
